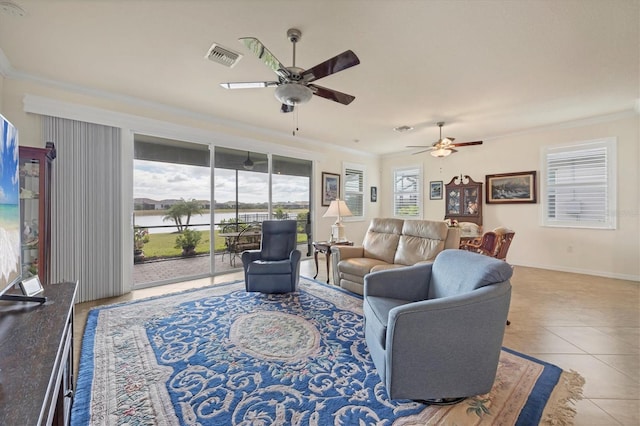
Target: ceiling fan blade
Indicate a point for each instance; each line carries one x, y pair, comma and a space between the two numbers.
421, 151
332, 95
286, 108
259, 49
467, 143
426, 148
249, 85
339, 62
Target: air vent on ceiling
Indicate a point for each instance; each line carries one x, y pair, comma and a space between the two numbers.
222, 55
403, 129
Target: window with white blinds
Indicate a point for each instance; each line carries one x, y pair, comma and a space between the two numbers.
580, 185
407, 192
354, 189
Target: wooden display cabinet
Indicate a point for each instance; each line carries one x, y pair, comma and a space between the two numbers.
464, 200
35, 210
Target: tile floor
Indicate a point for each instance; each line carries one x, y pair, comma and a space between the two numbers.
580, 322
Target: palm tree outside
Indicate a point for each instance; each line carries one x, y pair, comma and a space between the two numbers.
180, 209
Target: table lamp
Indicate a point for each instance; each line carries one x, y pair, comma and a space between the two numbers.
338, 208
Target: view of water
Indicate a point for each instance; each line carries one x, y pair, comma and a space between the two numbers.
169, 226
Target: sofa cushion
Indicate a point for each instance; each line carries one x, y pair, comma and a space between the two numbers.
381, 240
269, 267
420, 240
359, 266
459, 271
385, 266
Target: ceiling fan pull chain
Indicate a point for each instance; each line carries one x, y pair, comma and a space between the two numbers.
295, 121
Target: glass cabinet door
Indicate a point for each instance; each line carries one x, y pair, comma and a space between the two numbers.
35, 205
30, 215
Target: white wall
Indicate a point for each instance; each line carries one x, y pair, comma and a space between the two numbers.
614, 253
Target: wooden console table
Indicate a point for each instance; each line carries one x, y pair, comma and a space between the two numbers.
325, 248
36, 358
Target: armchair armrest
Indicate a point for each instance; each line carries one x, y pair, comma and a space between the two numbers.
249, 256
346, 252
339, 253
295, 256
410, 283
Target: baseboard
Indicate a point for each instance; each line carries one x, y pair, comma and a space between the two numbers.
626, 277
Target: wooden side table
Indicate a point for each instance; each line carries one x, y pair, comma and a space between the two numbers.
324, 247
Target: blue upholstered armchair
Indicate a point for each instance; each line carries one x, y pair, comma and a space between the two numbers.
275, 268
435, 331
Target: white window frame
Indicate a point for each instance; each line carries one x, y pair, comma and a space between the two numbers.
362, 169
418, 192
607, 147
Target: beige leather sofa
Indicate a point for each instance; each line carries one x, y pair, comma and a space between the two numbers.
390, 243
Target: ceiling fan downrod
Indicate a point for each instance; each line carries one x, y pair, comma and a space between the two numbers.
294, 36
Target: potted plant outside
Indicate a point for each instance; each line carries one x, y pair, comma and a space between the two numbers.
140, 237
188, 241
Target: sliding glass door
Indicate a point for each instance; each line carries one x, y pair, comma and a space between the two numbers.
173, 207
171, 190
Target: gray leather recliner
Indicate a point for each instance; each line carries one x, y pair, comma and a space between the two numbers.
275, 268
434, 331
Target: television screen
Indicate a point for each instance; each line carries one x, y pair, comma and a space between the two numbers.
10, 269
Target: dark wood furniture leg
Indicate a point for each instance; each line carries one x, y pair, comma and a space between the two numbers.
327, 255
315, 257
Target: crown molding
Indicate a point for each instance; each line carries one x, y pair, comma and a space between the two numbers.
142, 125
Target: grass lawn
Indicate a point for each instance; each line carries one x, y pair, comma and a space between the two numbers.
162, 245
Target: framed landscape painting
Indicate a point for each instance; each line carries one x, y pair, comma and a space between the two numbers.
330, 188
511, 188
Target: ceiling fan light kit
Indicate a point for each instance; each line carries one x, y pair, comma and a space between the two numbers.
293, 94
441, 152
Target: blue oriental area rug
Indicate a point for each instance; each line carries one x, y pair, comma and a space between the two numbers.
222, 356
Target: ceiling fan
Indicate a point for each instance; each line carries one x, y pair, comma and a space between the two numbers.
248, 164
443, 147
294, 85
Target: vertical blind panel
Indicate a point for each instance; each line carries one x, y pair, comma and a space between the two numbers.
85, 207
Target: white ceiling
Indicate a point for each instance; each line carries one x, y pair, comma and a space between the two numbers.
486, 68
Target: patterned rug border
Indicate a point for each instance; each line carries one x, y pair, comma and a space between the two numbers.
550, 402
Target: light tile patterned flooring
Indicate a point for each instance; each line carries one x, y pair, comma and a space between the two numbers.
580, 322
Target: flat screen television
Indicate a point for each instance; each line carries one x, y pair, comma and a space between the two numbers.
10, 267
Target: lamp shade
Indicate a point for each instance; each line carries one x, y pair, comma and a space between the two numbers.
338, 208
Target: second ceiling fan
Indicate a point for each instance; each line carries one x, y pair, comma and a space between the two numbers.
294, 85
443, 147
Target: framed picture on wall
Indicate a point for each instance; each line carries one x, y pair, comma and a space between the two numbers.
374, 194
510, 188
435, 190
330, 188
